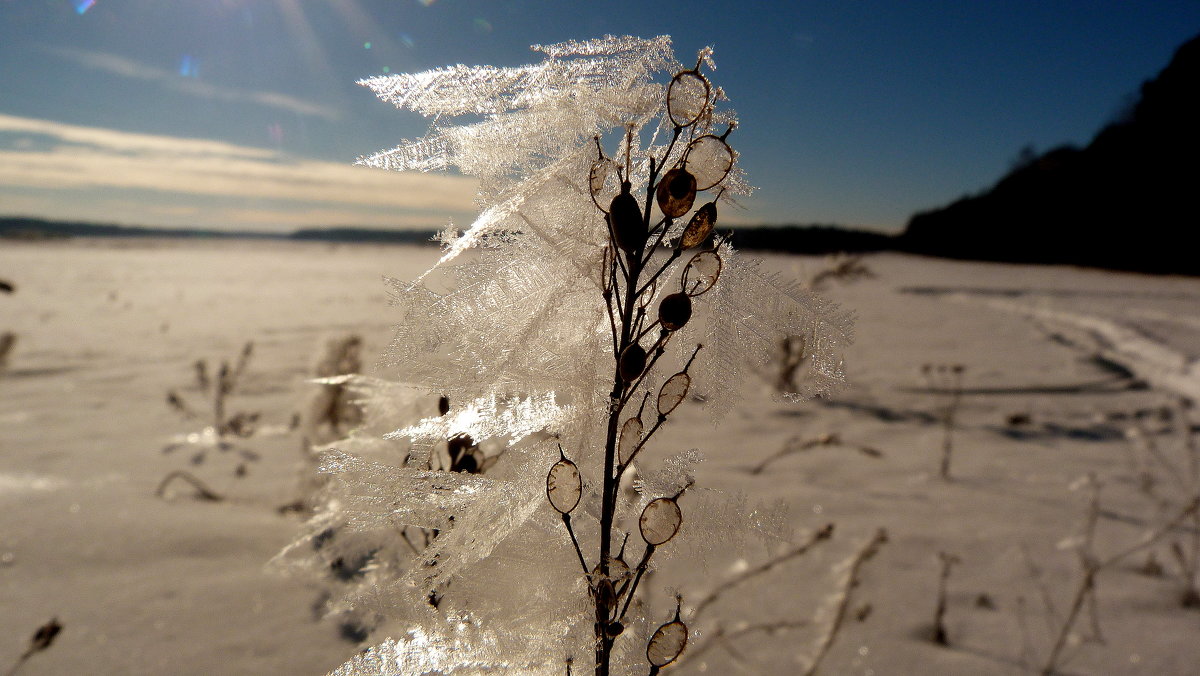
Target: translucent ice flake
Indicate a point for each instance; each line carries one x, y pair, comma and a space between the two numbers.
752, 311
377, 495
512, 418
462, 651
532, 116
709, 159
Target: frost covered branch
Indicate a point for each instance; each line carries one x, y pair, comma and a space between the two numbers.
561, 341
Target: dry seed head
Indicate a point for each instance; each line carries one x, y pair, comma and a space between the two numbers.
687, 97
667, 643
660, 521
710, 159
564, 486
700, 227
673, 392
676, 192
701, 273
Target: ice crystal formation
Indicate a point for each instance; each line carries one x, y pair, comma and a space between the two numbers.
520, 338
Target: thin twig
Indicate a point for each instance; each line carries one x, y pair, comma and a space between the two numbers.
856, 564
575, 541
1035, 573
816, 538
719, 636
1087, 584
940, 636
641, 570
202, 491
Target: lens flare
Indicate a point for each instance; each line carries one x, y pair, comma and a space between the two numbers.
188, 67
82, 6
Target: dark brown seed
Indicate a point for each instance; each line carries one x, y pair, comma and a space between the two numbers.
633, 362
674, 311
676, 193
625, 218
614, 629
700, 227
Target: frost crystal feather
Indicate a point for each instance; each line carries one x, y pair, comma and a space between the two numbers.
592, 294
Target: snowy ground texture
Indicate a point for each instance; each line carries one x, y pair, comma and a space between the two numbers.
1065, 372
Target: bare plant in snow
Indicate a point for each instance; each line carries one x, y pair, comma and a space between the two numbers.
946, 381
222, 425
1168, 474
595, 306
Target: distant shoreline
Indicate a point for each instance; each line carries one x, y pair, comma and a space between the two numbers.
808, 239
812, 240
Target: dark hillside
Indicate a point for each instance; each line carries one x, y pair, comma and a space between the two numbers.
1129, 200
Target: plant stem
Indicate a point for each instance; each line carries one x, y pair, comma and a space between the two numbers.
839, 616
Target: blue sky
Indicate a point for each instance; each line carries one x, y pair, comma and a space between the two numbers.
245, 113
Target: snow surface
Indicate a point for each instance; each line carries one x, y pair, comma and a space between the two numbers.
145, 585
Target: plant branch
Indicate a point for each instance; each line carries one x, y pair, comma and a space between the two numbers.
816, 538
575, 541
641, 570
869, 550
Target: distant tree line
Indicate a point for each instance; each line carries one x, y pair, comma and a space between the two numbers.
1126, 201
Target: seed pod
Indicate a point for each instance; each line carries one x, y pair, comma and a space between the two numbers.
602, 182
614, 629
625, 219
709, 158
701, 273
674, 311
667, 643
631, 434
676, 192
606, 599
564, 486
646, 297
687, 97
672, 392
618, 570
633, 362
700, 227
660, 521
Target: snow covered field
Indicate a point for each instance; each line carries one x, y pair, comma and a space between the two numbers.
1058, 366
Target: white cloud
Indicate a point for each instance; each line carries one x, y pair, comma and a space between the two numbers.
82, 161
124, 67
